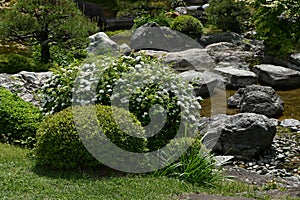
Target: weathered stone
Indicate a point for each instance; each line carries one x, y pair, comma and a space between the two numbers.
227, 54
290, 123
191, 59
295, 59
152, 36
125, 49
243, 135
236, 78
277, 76
101, 44
257, 99
220, 37
203, 85
25, 84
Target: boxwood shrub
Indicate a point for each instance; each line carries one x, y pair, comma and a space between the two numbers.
59, 145
188, 25
19, 119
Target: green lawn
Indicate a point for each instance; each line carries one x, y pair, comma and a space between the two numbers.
20, 180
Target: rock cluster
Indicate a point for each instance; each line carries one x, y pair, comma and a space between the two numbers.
25, 84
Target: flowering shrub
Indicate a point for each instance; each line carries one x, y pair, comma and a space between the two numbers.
139, 84
56, 92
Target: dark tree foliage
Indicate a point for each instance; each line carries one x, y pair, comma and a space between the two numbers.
228, 15
46, 23
278, 24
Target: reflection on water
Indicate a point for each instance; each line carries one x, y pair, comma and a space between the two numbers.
291, 100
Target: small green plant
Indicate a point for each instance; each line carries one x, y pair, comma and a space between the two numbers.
59, 145
19, 119
228, 15
188, 25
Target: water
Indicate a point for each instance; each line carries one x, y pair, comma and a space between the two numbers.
217, 104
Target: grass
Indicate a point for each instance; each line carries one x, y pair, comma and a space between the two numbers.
19, 178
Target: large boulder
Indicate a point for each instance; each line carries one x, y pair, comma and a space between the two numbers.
191, 59
101, 44
25, 84
236, 78
243, 135
227, 54
277, 76
257, 99
152, 36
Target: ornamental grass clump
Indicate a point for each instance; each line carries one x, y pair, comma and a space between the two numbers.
196, 165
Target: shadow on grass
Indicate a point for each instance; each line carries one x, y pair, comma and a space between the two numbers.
101, 172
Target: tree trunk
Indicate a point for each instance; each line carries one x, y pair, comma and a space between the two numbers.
45, 53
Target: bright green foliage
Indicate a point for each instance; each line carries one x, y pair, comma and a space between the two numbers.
278, 24
188, 25
228, 15
161, 19
46, 23
59, 145
195, 166
19, 120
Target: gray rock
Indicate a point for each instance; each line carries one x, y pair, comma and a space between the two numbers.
25, 84
236, 78
125, 49
243, 135
239, 56
295, 59
152, 36
220, 37
290, 123
191, 59
257, 99
277, 76
203, 85
101, 44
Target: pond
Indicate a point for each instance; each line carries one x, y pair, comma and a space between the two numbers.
217, 104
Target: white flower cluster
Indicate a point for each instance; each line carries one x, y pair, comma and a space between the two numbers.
137, 82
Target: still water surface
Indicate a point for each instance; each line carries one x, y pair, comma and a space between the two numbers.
217, 104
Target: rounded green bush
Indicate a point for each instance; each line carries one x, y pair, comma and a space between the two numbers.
59, 145
19, 119
188, 25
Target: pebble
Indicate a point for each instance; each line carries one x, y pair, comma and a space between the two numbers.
282, 160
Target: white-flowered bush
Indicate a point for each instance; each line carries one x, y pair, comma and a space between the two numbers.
142, 85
